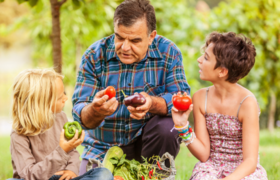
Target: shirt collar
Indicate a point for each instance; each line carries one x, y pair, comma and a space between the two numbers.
153, 51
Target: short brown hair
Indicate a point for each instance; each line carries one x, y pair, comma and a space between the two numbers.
129, 11
234, 52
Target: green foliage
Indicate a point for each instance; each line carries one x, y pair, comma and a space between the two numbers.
21, 1
132, 169
259, 21
180, 23
32, 3
177, 21
79, 29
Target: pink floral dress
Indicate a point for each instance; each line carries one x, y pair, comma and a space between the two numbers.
225, 149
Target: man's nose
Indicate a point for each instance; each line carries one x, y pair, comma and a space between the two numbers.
126, 45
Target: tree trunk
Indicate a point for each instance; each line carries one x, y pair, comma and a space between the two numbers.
272, 109
55, 36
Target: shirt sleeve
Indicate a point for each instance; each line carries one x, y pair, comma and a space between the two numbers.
87, 85
74, 162
26, 165
175, 82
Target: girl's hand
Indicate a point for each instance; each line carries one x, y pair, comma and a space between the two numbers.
66, 174
71, 144
180, 118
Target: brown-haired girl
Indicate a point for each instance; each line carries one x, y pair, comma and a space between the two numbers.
226, 115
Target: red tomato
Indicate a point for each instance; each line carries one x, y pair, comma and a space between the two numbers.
118, 178
182, 103
110, 91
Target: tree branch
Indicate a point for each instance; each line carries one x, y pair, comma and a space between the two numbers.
61, 2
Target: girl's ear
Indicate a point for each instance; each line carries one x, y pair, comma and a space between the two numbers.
223, 72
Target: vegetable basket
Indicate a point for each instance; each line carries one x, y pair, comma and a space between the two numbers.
168, 173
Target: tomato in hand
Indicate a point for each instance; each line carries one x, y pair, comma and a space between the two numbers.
110, 91
118, 178
181, 102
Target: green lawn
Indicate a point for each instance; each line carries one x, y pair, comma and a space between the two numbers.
269, 156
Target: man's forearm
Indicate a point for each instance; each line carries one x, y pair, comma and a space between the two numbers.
159, 106
90, 118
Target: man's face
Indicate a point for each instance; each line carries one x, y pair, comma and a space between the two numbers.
132, 42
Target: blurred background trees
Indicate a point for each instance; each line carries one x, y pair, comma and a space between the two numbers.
185, 22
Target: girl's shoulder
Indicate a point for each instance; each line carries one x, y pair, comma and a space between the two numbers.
60, 120
61, 117
19, 139
244, 91
200, 94
246, 98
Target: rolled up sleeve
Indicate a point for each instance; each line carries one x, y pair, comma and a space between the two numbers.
87, 85
175, 82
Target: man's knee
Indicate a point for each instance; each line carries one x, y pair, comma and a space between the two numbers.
163, 125
103, 173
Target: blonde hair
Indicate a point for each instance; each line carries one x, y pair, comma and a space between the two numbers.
34, 93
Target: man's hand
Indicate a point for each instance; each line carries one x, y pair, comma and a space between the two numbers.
71, 144
94, 113
140, 111
66, 174
103, 107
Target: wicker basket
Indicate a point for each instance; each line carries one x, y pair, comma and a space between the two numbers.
169, 173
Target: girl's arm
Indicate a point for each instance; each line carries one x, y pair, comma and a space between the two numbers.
200, 147
249, 116
74, 162
26, 165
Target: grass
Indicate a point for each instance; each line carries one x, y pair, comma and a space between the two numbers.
269, 157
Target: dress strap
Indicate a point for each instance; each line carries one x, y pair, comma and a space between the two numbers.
206, 100
241, 104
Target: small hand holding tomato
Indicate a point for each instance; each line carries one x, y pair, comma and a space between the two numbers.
181, 102
182, 107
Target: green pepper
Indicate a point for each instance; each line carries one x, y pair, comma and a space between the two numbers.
70, 129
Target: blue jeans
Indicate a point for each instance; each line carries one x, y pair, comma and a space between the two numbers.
93, 174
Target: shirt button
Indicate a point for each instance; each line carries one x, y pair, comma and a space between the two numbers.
129, 84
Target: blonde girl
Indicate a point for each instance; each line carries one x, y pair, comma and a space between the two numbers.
38, 147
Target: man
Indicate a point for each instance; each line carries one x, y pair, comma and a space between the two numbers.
134, 60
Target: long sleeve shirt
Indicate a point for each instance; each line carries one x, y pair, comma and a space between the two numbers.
39, 157
160, 74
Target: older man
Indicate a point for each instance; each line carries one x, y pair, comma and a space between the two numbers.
134, 60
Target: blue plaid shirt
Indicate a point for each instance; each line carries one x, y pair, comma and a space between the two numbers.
160, 73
